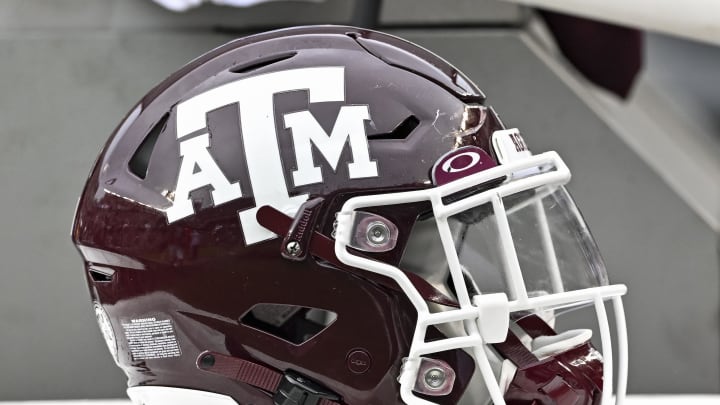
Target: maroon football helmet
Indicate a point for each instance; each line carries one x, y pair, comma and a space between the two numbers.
332, 215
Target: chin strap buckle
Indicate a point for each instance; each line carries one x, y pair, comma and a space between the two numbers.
295, 389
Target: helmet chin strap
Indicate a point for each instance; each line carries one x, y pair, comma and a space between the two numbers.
288, 388
559, 369
519, 361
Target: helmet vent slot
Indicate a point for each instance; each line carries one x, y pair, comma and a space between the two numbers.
140, 160
401, 132
101, 274
262, 62
292, 323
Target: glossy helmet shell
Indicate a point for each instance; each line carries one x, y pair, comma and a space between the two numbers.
199, 272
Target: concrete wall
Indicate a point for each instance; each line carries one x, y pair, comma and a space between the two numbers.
70, 70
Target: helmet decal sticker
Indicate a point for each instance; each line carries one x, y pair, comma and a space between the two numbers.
151, 338
449, 165
509, 145
349, 126
195, 155
254, 97
460, 163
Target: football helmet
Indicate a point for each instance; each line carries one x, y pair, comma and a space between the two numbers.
333, 215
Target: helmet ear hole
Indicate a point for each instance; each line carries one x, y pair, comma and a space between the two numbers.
401, 132
101, 274
139, 162
292, 323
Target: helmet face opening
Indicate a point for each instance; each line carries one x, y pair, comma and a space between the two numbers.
335, 212
510, 252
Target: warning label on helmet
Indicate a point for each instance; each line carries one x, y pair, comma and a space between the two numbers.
151, 338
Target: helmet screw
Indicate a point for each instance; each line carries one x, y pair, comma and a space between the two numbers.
207, 361
292, 248
434, 378
378, 233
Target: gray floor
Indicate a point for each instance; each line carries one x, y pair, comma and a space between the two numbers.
69, 73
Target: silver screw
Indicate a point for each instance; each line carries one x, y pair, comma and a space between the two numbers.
378, 233
435, 378
292, 248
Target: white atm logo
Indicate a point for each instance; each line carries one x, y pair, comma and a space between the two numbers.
254, 96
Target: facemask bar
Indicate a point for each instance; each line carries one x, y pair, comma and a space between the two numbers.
471, 307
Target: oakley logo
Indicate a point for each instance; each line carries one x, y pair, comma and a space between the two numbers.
460, 163
254, 97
